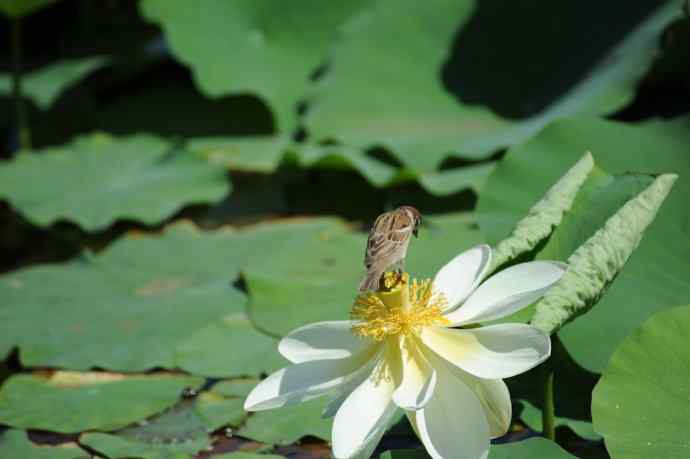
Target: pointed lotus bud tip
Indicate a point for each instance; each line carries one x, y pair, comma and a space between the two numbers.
668, 178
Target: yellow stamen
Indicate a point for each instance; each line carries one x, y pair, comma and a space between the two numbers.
400, 308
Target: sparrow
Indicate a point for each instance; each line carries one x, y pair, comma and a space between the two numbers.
387, 243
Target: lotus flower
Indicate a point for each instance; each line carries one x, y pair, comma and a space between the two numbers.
418, 346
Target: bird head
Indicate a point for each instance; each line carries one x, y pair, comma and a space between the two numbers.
414, 215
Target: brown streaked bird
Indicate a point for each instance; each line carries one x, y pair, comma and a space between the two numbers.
387, 243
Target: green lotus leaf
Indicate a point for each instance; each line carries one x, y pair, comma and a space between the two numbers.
15, 444
377, 173
380, 91
217, 410
655, 276
287, 425
95, 400
162, 301
641, 404
251, 154
527, 449
97, 179
181, 431
445, 182
115, 447
126, 309
306, 286
246, 455
265, 154
228, 347
235, 387
266, 39
531, 448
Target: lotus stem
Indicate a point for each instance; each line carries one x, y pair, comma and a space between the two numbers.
19, 107
548, 416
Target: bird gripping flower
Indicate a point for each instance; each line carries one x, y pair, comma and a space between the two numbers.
387, 243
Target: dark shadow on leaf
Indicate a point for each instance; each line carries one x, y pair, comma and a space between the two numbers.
384, 156
518, 58
665, 91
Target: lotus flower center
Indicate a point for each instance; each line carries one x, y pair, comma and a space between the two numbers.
399, 308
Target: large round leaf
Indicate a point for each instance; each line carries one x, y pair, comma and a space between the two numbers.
230, 346
288, 424
306, 283
103, 401
116, 447
126, 309
160, 301
641, 405
528, 449
180, 431
655, 277
97, 179
247, 46
384, 84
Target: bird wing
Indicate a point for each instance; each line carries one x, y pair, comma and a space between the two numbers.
391, 231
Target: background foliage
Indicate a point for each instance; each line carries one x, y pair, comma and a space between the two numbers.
182, 183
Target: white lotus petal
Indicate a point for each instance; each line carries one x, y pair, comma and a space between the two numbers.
322, 340
459, 277
507, 292
353, 381
452, 424
493, 352
418, 378
494, 396
301, 382
373, 439
368, 407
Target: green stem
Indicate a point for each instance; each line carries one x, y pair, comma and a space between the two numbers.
548, 415
19, 107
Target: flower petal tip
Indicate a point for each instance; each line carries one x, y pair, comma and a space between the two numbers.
561, 264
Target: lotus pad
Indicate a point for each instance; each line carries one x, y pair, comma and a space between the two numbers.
642, 402
97, 179
87, 400
15, 444
460, 87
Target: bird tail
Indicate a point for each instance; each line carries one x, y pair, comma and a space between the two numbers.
370, 281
